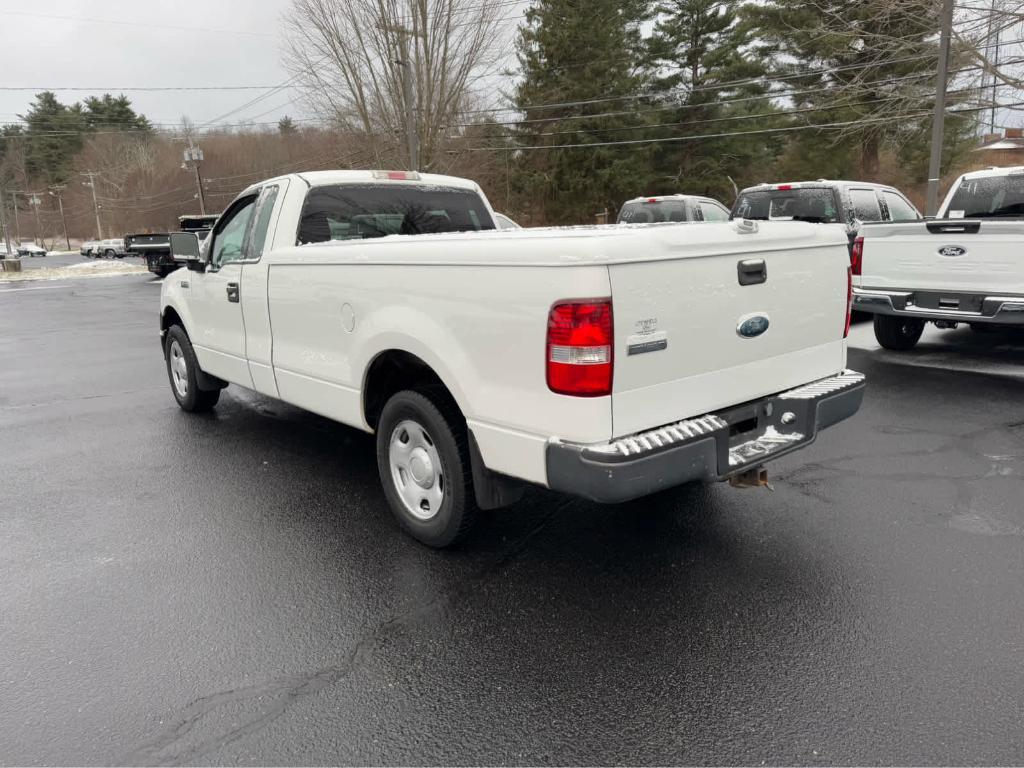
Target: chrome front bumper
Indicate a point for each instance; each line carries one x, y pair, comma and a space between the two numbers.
711, 447
1002, 310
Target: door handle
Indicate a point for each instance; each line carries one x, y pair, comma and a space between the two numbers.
752, 271
233, 292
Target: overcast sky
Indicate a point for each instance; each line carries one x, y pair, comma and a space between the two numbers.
240, 45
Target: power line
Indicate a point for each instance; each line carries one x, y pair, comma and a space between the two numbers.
148, 25
701, 137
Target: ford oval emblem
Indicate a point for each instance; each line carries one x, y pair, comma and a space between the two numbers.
751, 326
952, 250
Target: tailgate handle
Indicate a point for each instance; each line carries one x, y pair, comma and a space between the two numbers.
752, 271
968, 227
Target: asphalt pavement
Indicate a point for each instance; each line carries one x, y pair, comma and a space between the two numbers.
231, 589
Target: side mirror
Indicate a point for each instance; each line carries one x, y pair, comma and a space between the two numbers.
185, 249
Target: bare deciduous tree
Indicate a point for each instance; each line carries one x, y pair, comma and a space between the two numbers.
346, 57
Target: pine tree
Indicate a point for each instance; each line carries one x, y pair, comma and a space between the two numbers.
54, 134
113, 113
571, 52
697, 51
870, 63
286, 125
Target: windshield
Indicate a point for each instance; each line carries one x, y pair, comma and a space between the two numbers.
643, 212
359, 211
990, 197
815, 204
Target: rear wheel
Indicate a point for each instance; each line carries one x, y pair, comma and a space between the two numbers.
898, 333
423, 461
109, 254
182, 371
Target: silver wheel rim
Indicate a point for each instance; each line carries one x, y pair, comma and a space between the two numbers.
416, 470
179, 369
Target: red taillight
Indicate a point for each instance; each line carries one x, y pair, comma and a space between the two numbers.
580, 348
849, 300
857, 256
652, 200
784, 187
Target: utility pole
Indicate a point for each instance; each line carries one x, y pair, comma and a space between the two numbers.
56, 191
95, 205
408, 96
17, 221
193, 157
935, 164
34, 200
3, 225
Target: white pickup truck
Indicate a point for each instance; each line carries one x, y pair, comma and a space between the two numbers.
965, 266
606, 362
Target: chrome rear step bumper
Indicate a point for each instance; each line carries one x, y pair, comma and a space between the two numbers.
999, 310
711, 447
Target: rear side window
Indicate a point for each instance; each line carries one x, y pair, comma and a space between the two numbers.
360, 211
899, 209
713, 212
865, 205
644, 212
815, 204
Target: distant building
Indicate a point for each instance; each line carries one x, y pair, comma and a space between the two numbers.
1001, 150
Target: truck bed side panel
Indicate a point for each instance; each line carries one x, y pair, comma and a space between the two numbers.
481, 328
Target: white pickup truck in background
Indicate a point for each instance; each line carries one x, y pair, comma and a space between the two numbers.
607, 362
965, 266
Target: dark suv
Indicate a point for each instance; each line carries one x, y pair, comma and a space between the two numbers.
845, 203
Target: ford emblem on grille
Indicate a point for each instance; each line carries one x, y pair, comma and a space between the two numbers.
952, 250
752, 325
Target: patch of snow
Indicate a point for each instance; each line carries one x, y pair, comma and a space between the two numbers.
85, 269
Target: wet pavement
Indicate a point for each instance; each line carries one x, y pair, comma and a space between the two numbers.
231, 589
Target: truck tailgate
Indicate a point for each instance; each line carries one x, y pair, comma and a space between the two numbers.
683, 346
944, 255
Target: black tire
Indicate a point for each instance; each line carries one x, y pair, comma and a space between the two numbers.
109, 254
984, 327
445, 432
898, 333
190, 397
162, 272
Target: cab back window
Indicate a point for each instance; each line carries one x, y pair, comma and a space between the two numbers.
991, 197
359, 211
816, 204
643, 212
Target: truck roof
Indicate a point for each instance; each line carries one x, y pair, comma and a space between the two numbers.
661, 198
321, 178
994, 171
819, 183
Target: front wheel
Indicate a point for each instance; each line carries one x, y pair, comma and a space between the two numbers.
182, 370
109, 254
898, 333
423, 460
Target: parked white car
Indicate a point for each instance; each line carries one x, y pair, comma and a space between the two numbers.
31, 250
962, 267
110, 248
88, 248
606, 362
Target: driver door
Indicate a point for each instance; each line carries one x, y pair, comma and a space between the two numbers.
218, 333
